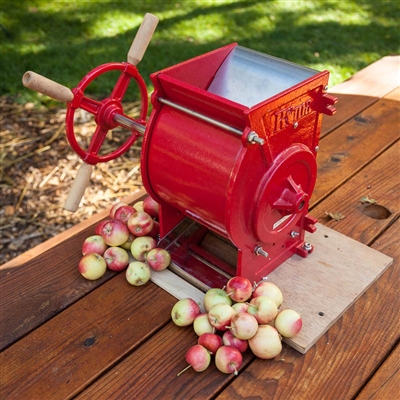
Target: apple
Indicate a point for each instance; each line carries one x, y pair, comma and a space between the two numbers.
158, 259
211, 341
114, 208
270, 290
240, 307
99, 227
92, 266
117, 258
94, 244
138, 206
140, 223
215, 296
198, 358
138, 273
229, 339
141, 246
239, 289
114, 232
288, 323
228, 359
151, 207
201, 324
184, 312
155, 231
263, 308
123, 213
220, 316
243, 325
266, 343
127, 245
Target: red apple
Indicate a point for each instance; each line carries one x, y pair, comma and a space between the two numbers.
211, 341
228, 359
201, 324
239, 289
117, 258
114, 208
229, 339
141, 246
94, 244
184, 312
220, 316
99, 227
198, 358
114, 232
140, 223
288, 323
158, 259
92, 266
138, 273
155, 231
266, 343
215, 296
263, 308
269, 289
151, 207
123, 213
243, 325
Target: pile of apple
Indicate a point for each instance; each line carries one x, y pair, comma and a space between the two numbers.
131, 229
236, 318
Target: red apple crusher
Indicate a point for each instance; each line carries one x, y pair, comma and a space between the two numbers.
230, 144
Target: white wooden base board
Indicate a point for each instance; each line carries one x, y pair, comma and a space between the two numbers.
320, 287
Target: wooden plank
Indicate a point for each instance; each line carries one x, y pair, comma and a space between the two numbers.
353, 145
46, 275
150, 372
345, 357
64, 355
377, 181
362, 90
376, 80
385, 383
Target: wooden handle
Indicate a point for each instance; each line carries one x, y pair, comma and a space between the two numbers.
78, 187
37, 82
142, 39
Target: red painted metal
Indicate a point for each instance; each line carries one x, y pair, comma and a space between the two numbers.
104, 111
256, 195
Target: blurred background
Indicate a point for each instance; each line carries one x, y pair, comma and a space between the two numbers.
63, 40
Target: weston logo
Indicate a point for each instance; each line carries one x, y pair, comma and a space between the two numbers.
285, 117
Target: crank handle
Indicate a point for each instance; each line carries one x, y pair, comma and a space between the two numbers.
46, 86
78, 187
142, 39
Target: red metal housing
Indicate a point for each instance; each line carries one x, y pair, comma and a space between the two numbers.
253, 192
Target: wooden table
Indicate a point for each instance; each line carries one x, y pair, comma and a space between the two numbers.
63, 336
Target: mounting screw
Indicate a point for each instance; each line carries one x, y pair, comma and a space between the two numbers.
259, 251
326, 88
307, 246
254, 138
293, 234
295, 125
316, 148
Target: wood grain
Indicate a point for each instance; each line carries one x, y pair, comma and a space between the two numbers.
64, 355
385, 383
352, 146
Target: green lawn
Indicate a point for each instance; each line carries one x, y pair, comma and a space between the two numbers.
63, 40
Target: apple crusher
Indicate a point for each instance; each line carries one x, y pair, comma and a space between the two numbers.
230, 143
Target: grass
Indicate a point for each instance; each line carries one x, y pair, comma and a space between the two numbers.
63, 40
